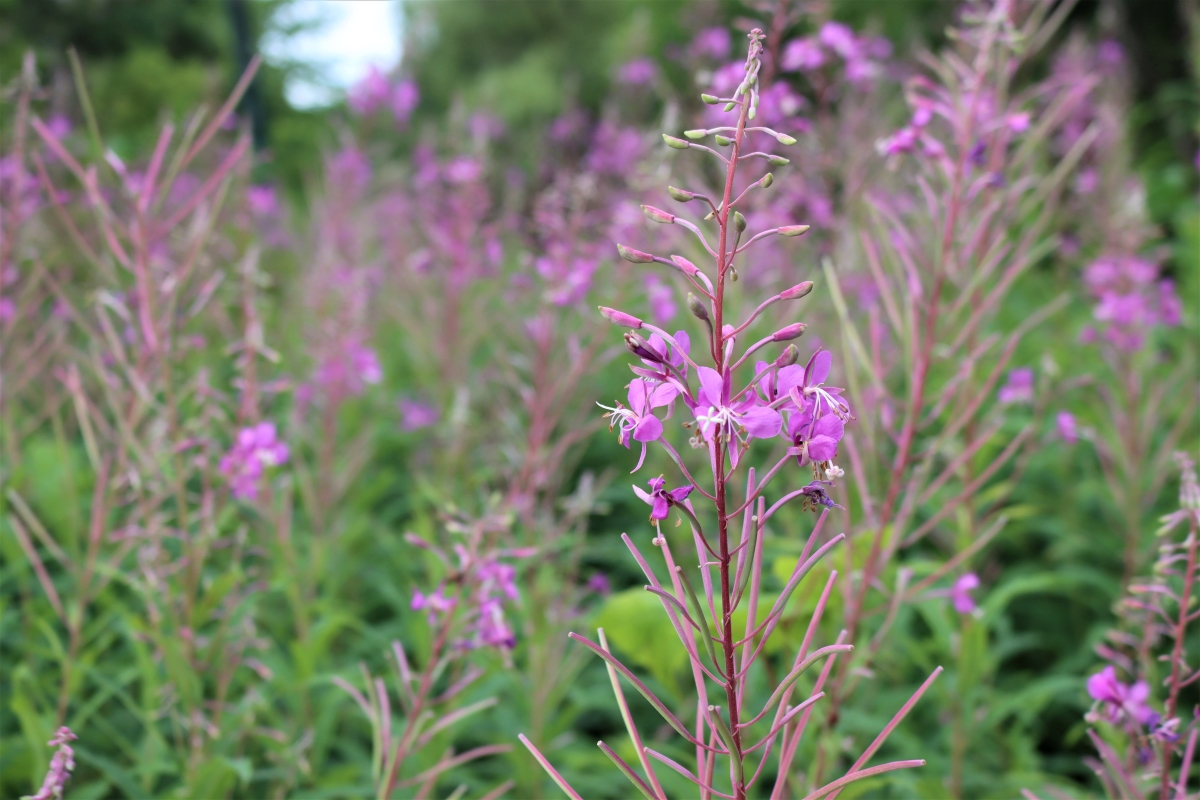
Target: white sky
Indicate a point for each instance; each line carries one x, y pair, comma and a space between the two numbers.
350, 36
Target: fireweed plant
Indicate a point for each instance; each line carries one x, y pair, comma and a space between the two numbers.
781, 399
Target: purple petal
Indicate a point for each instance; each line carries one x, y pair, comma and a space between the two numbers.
685, 344
822, 448
830, 426
790, 376
659, 509
639, 394
712, 385
680, 494
662, 395
643, 495
818, 368
648, 429
762, 422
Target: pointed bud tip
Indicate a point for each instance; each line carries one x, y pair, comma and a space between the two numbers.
724, 141
685, 266
657, 215
783, 138
619, 317
794, 230
766, 180
681, 195
698, 309
778, 161
698, 133
797, 291
793, 331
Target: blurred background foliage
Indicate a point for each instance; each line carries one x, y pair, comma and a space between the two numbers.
527, 62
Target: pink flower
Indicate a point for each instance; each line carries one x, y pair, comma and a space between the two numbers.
1120, 701
348, 371
960, 593
262, 201
1019, 388
403, 99
415, 415
711, 43
437, 603
660, 499
662, 301
802, 55
638, 422
638, 72
1017, 123
61, 765
369, 94
1068, 430
256, 449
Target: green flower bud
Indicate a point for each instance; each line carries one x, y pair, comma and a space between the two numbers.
783, 138
698, 309
739, 221
634, 256
680, 195
777, 161
698, 133
794, 230
722, 140
657, 215
710, 99
678, 144
766, 180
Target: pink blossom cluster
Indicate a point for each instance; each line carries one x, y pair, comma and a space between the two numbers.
1121, 703
256, 449
1131, 298
348, 370
376, 91
62, 763
835, 43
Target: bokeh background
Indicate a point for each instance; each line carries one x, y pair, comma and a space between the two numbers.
364, 232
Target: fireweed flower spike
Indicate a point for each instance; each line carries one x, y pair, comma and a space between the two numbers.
732, 723
62, 763
256, 449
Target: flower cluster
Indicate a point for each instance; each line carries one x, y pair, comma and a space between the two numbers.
256, 449
1131, 298
375, 92
348, 371
835, 43
61, 765
1121, 703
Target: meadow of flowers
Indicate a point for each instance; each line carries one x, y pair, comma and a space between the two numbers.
826, 430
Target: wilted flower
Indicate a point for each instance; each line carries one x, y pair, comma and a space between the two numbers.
1018, 388
62, 763
960, 593
660, 499
256, 449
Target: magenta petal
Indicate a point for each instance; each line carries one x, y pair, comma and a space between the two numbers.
712, 385
818, 368
822, 448
762, 422
680, 494
830, 426
643, 495
790, 377
639, 397
663, 394
648, 429
659, 509
685, 343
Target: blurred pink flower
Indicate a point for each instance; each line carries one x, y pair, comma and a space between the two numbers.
1018, 388
369, 94
255, 449
415, 415
1068, 429
960, 593
1121, 701
802, 55
403, 100
262, 201
437, 603
638, 72
711, 43
62, 763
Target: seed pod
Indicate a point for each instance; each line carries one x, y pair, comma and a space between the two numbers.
620, 317
678, 144
658, 215
680, 195
793, 331
697, 307
777, 161
794, 230
698, 133
710, 99
739, 221
797, 291
634, 256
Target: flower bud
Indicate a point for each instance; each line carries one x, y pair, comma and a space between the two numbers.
729, 106
724, 141
733, 274
739, 221
634, 256
641, 348
698, 309
777, 161
620, 317
766, 180
789, 356
794, 230
698, 133
678, 144
783, 138
685, 266
712, 100
657, 215
793, 331
680, 195
797, 291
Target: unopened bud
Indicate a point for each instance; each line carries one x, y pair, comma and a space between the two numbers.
634, 256
657, 215
641, 348
729, 106
680, 195
620, 317
766, 180
685, 266
698, 309
733, 274
789, 356
678, 144
698, 133
724, 141
739, 221
783, 138
794, 230
712, 100
797, 291
777, 161
793, 331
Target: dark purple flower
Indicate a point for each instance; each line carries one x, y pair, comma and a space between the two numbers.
1120, 701
815, 495
660, 499
960, 593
